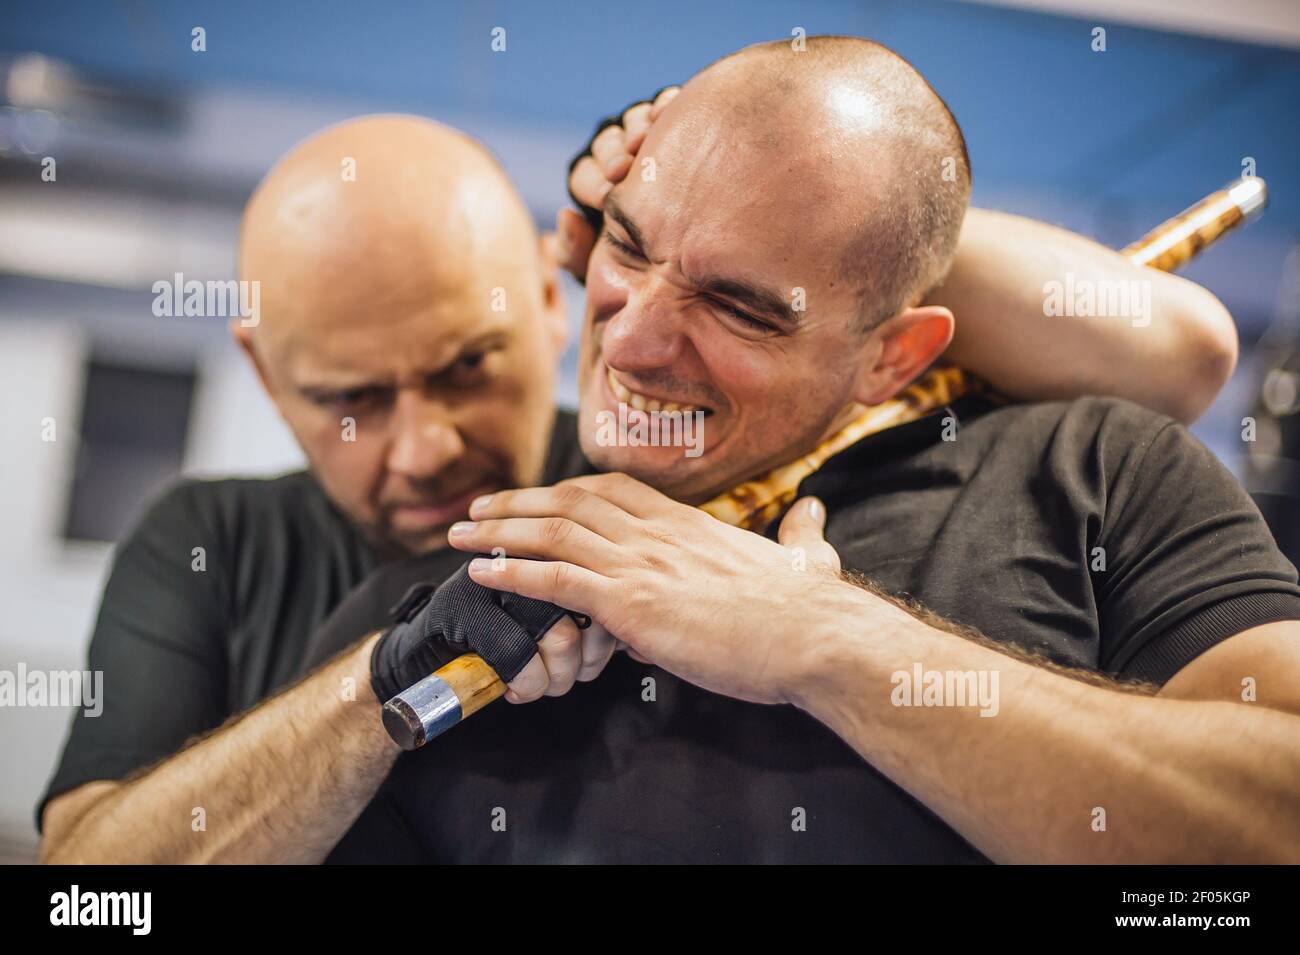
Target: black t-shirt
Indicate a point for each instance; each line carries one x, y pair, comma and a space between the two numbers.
997, 530
187, 639
1094, 531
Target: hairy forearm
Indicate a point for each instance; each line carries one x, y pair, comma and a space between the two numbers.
1174, 358
282, 783
1066, 770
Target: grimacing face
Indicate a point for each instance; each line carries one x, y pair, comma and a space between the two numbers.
692, 299
411, 396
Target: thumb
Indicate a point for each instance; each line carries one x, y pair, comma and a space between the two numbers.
574, 239
801, 531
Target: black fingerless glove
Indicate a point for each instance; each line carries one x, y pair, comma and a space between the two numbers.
435, 625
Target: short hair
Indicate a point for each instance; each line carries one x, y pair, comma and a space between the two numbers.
908, 245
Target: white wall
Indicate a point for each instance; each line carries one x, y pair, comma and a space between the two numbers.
49, 588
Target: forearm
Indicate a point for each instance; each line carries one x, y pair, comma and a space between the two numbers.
283, 783
1178, 781
1174, 358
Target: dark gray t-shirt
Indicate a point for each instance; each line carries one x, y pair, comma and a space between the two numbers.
183, 649
1096, 532
997, 529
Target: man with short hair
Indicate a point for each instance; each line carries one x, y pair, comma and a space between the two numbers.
410, 394
1067, 634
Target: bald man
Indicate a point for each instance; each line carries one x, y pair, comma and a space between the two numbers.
446, 298
1060, 618
410, 395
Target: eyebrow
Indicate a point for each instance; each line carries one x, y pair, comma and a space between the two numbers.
615, 211
324, 387
764, 301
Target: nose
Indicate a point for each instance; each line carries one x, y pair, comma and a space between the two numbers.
424, 439
646, 333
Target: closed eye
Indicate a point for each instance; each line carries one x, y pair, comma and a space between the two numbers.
749, 320
622, 247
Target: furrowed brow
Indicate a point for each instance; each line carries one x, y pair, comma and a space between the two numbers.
616, 212
763, 301
329, 382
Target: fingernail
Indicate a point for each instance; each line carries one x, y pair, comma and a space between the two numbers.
461, 527
479, 502
480, 564
815, 510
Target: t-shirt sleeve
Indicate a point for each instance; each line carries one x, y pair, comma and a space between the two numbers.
158, 643
368, 606
1189, 561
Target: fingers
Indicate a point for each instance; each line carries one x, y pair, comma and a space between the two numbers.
536, 538
662, 100
565, 655
636, 123
629, 494
598, 646
561, 652
588, 507
589, 184
574, 588
529, 683
614, 150
574, 239
609, 149
802, 528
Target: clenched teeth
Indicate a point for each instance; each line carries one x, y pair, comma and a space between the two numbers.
641, 402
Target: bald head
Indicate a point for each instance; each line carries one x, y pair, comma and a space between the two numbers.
792, 208
409, 323
894, 156
386, 206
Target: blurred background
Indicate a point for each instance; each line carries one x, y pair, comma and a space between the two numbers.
156, 146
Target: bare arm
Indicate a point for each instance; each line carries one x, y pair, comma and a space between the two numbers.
1043, 766
281, 783
1174, 360
1183, 776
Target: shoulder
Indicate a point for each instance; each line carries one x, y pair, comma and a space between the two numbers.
1102, 435
221, 500
1117, 418
1132, 466
233, 509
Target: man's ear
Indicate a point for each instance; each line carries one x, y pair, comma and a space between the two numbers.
905, 346
243, 336
555, 314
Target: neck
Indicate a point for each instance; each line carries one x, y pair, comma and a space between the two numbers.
841, 419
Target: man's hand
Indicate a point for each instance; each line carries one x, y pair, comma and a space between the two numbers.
564, 656
533, 645
610, 159
716, 605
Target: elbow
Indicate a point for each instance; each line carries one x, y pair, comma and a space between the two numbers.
1204, 358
